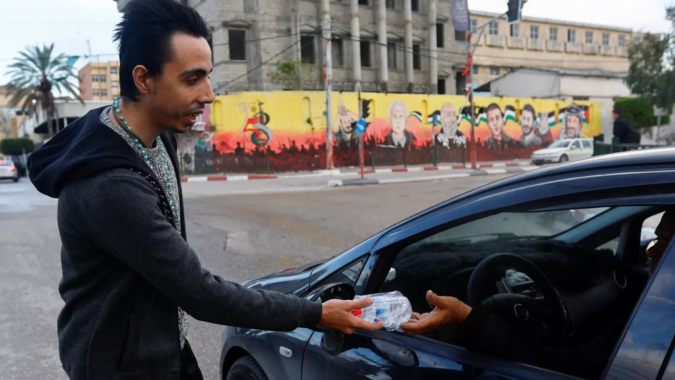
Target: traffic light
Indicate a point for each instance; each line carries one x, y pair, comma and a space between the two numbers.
513, 12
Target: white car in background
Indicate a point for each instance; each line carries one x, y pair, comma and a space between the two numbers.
8, 170
563, 151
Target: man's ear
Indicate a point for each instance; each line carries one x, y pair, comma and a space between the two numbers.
142, 79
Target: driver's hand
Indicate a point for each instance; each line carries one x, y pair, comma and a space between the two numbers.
447, 311
338, 315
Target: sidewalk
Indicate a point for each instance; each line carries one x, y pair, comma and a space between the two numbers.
355, 171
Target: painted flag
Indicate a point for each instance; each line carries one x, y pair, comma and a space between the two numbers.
430, 119
509, 113
460, 15
416, 115
482, 118
465, 118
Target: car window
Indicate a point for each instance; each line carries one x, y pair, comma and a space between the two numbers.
445, 262
587, 144
348, 275
508, 225
576, 145
6, 163
560, 144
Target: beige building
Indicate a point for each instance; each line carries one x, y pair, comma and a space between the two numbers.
381, 45
547, 44
10, 117
100, 81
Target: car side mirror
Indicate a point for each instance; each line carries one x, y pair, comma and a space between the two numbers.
333, 291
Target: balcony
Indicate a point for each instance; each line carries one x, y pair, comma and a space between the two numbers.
535, 44
573, 47
622, 51
591, 49
516, 42
555, 45
607, 50
495, 41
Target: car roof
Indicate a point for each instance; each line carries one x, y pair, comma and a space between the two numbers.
606, 164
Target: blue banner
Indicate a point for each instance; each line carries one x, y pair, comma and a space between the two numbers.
459, 10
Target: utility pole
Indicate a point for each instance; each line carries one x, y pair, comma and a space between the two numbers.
326, 33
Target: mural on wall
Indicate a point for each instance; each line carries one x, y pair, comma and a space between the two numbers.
278, 131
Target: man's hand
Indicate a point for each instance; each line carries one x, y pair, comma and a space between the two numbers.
338, 315
448, 310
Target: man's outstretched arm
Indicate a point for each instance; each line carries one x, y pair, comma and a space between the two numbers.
124, 219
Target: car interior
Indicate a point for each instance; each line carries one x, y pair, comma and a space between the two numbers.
592, 259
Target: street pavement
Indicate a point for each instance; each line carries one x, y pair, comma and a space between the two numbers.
240, 230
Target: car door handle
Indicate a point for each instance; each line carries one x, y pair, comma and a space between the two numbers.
285, 352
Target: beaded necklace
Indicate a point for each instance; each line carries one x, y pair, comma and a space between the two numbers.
140, 148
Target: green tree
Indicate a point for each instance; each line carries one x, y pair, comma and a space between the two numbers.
33, 78
289, 73
16, 146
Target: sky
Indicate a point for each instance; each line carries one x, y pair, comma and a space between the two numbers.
79, 26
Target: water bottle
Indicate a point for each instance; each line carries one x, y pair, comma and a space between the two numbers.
388, 309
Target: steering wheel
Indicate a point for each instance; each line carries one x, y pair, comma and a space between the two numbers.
538, 316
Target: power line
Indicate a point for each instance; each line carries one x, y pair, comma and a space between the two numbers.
260, 65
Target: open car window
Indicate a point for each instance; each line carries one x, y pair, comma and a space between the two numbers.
596, 296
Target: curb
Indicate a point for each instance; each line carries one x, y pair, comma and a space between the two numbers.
475, 173
447, 167
322, 173
338, 172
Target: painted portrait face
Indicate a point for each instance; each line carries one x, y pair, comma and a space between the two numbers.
449, 117
572, 126
495, 122
397, 119
527, 122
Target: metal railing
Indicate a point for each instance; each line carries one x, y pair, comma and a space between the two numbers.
600, 148
384, 155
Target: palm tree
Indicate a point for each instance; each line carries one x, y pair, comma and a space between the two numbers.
34, 76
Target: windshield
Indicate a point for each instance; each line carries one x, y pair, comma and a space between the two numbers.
560, 144
518, 225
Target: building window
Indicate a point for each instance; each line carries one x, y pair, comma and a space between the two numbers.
636, 40
474, 70
494, 71
553, 35
589, 37
415, 5
94, 78
494, 28
104, 92
474, 24
103, 78
115, 85
440, 36
571, 35
417, 59
307, 49
97, 93
622, 40
113, 71
390, 4
363, 2
365, 53
605, 38
237, 44
515, 31
460, 35
337, 52
391, 55
441, 86
534, 32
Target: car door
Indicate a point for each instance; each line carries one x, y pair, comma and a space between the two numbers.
586, 148
646, 350
575, 151
391, 355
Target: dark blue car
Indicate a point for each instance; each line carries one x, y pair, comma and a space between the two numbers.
580, 224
